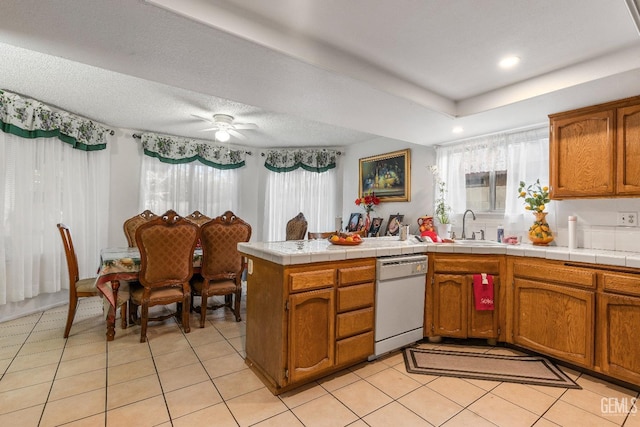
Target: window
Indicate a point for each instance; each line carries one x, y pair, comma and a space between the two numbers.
486, 191
187, 187
483, 173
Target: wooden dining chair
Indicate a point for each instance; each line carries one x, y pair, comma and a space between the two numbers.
80, 288
297, 227
320, 235
131, 225
222, 264
166, 246
197, 218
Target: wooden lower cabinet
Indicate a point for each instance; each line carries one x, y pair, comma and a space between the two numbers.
307, 321
311, 333
554, 320
618, 346
450, 302
554, 309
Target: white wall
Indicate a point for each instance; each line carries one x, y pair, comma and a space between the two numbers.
421, 181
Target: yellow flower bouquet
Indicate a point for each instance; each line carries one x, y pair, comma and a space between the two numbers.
535, 196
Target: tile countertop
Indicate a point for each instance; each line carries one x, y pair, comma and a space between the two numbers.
309, 251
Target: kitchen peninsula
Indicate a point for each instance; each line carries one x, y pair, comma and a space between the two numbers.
311, 304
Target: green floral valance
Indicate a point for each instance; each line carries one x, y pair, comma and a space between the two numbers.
28, 118
313, 160
173, 149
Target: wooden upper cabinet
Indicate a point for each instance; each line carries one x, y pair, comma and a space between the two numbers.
595, 151
582, 155
628, 177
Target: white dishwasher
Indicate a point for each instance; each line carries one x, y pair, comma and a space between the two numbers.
400, 293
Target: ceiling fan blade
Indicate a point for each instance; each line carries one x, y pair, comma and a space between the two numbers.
208, 129
245, 126
202, 118
236, 134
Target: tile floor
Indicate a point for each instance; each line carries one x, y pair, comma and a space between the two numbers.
200, 379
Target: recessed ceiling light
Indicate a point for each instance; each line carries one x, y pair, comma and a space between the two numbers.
509, 62
457, 129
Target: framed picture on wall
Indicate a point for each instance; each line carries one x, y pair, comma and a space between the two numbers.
393, 226
355, 222
387, 175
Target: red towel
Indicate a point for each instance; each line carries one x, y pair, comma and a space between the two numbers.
483, 291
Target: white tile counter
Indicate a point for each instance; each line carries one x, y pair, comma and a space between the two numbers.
309, 251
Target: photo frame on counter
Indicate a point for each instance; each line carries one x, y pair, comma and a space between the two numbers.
376, 224
355, 222
393, 226
387, 175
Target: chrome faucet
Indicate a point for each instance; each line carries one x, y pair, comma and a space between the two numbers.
464, 218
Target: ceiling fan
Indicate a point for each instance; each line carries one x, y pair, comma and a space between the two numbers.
225, 127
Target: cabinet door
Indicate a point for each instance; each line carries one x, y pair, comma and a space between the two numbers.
311, 333
483, 323
554, 320
628, 137
618, 344
581, 155
450, 305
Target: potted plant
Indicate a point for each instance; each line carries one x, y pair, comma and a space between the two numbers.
536, 197
442, 209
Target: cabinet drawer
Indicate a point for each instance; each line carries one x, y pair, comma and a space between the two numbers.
490, 266
356, 296
573, 276
360, 274
628, 284
355, 348
354, 322
307, 280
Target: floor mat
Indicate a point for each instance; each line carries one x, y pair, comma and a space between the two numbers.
535, 370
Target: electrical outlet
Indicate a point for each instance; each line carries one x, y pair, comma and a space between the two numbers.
628, 219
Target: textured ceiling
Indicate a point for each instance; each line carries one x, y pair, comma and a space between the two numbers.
320, 72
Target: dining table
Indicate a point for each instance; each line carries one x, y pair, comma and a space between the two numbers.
122, 264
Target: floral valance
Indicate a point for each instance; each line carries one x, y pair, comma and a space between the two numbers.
313, 160
173, 149
28, 118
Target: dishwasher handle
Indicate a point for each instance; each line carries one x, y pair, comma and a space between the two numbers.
401, 268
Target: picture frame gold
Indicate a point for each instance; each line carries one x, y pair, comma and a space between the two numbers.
387, 175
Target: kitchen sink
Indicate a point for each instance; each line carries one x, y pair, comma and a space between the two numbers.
478, 242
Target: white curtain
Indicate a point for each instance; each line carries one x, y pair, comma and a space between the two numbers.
527, 160
186, 187
523, 154
44, 181
289, 193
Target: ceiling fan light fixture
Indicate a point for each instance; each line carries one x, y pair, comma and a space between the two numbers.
222, 135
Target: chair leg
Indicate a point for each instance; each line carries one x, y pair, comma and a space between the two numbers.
204, 299
124, 313
73, 305
237, 299
185, 313
133, 313
144, 315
